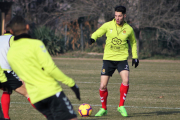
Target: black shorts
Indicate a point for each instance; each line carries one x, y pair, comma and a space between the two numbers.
56, 107
13, 80
109, 67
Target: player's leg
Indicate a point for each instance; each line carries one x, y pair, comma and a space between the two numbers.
5, 103
43, 107
108, 69
22, 90
103, 92
17, 85
124, 73
62, 108
57, 107
124, 86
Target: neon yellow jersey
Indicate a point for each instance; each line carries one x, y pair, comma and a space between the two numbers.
30, 60
116, 48
2, 76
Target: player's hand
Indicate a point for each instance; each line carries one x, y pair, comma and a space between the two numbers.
6, 87
90, 41
136, 62
76, 91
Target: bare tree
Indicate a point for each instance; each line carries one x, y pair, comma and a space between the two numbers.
160, 15
42, 12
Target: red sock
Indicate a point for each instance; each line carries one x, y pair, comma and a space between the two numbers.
123, 93
103, 96
30, 102
5, 102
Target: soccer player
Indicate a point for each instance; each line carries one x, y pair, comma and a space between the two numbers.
13, 81
33, 64
3, 85
117, 31
3, 82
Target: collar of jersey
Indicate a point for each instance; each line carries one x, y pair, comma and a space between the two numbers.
24, 35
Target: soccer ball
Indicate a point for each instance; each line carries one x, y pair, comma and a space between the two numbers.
85, 110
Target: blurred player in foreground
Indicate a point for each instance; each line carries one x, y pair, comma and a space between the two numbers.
32, 63
5, 86
13, 82
115, 56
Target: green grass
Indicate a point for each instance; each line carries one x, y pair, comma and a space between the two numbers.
153, 93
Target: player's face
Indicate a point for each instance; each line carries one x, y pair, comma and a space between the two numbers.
119, 17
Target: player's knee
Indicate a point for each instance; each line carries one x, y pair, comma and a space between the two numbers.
22, 90
125, 82
103, 87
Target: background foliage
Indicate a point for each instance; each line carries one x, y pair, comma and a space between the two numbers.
53, 43
155, 22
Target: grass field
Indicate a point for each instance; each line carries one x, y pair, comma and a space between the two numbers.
154, 92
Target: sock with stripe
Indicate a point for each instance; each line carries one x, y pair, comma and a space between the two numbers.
103, 96
123, 93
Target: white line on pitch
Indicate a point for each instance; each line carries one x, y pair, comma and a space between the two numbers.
113, 106
96, 82
135, 107
119, 83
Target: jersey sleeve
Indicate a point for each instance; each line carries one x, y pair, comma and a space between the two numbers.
99, 32
49, 66
133, 44
2, 76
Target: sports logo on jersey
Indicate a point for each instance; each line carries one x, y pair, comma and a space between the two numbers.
111, 30
124, 32
102, 99
116, 41
127, 67
68, 105
43, 48
103, 71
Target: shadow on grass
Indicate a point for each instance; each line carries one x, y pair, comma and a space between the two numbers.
157, 113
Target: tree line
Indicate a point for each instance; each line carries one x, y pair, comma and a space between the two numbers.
155, 22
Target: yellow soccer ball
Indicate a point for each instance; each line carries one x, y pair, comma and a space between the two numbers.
85, 110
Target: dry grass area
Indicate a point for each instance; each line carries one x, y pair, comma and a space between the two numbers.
153, 93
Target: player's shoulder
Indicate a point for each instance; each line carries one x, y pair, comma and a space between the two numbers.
109, 23
112, 21
5, 37
128, 26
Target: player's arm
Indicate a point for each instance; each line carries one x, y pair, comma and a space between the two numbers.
49, 67
133, 44
98, 33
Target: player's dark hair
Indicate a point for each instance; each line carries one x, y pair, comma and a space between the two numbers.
120, 9
18, 24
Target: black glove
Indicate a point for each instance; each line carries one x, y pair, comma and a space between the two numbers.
136, 62
6, 87
90, 41
76, 91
